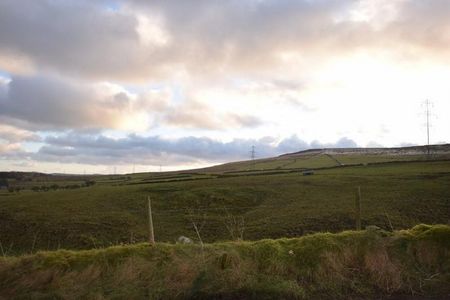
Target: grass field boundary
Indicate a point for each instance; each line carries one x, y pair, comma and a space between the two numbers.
267, 172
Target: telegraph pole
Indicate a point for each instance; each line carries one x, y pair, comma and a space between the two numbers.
253, 153
252, 156
427, 112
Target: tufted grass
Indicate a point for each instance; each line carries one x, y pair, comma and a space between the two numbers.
349, 265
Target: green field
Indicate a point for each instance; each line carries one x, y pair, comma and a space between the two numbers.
226, 200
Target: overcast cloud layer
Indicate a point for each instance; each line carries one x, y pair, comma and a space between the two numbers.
141, 40
154, 150
196, 82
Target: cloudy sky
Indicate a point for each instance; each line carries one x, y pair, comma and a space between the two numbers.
89, 86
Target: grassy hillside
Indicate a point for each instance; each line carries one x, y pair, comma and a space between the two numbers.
369, 264
328, 158
263, 205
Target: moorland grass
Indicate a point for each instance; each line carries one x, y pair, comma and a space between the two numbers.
370, 264
400, 194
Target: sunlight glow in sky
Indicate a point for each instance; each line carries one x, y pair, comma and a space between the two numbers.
98, 86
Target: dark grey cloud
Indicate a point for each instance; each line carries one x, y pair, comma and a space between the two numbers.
53, 103
90, 39
79, 37
135, 149
49, 102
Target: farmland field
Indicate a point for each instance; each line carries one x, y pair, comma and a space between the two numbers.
269, 199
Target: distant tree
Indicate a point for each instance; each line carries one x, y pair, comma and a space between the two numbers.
89, 182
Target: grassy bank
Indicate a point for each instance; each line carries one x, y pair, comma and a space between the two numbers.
369, 264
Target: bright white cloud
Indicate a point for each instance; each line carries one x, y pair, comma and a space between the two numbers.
151, 31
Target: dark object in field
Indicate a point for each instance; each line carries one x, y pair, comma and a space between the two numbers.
308, 172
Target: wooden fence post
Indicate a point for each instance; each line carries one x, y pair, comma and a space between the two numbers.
358, 208
151, 234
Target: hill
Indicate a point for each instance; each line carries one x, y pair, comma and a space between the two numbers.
434, 150
67, 212
371, 264
332, 157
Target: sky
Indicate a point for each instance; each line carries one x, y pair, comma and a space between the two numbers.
104, 86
